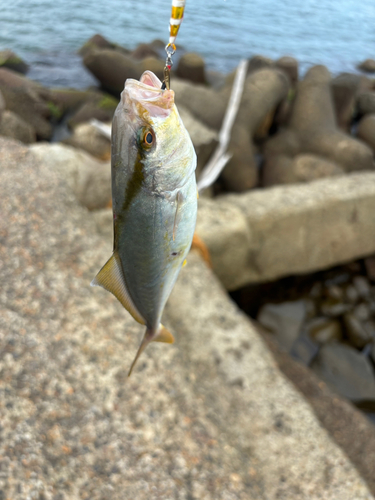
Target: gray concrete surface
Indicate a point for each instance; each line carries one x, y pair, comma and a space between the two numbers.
292, 229
210, 417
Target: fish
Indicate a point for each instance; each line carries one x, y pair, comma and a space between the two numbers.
154, 201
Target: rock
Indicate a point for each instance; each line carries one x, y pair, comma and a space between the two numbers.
11, 125
342, 276
333, 308
369, 327
191, 67
350, 154
88, 138
258, 62
349, 427
215, 79
366, 131
144, 50
241, 173
224, 229
311, 310
111, 68
304, 349
102, 108
204, 139
89, 179
366, 103
361, 312
368, 66
345, 89
370, 267
64, 356
263, 91
154, 65
303, 168
351, 294
313, 107
206, 104
95, 42
286, 142
283, 112
362, 286
317, 217
28, 100
10, 60
316, 290
104, 222
69, 100
278, 170
356, 332
290, 67
313, 121
157, 44
285, 320
2, 105
335, 292
255, 63
324, 330
345, 371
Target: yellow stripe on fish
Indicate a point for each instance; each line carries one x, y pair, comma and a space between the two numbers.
178, 7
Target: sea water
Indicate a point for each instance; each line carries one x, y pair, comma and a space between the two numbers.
337, 33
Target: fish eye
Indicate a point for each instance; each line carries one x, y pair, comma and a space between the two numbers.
147, 138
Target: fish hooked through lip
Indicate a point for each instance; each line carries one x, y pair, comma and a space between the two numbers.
146, 97
154, 203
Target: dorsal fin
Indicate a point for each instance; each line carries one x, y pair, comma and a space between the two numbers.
111, 278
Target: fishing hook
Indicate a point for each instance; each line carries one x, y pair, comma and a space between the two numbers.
170, 49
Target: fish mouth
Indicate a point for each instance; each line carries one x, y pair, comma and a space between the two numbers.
146, 97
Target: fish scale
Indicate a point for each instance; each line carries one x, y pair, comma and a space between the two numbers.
154, 199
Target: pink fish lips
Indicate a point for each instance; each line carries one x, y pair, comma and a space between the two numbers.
146, 96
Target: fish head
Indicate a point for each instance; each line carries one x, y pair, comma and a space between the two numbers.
154, 131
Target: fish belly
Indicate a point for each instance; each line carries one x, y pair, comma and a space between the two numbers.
152, 247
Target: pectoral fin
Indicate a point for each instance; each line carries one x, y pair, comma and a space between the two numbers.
161, 335
179, 200
111, 278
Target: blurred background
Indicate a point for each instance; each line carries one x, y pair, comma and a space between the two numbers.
276, 403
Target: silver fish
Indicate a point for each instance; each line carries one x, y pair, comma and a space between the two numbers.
154, 198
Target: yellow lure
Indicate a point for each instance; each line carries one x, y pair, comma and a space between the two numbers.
178, 7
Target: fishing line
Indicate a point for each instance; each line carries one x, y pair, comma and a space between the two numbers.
178, 8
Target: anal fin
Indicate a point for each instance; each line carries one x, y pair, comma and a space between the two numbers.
111, 278
163, 335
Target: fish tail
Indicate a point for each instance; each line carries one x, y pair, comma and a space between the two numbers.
161, 334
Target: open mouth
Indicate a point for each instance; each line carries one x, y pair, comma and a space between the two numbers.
148, 94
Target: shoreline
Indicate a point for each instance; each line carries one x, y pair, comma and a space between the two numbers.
63, 67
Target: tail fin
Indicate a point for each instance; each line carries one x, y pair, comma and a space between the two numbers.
161, 335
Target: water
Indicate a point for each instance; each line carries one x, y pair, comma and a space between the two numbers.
337, 33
